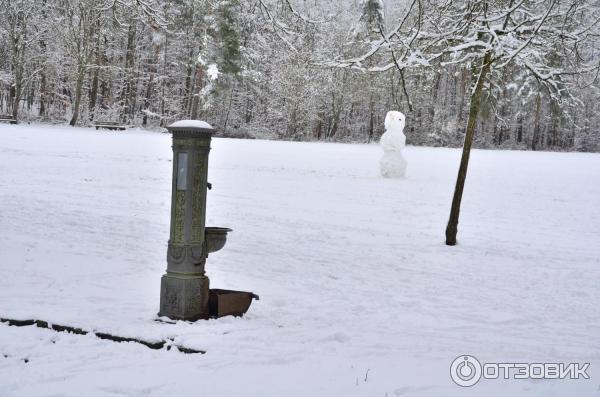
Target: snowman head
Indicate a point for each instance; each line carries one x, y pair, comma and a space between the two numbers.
394, 121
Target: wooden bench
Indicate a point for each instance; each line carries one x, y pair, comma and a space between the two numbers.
110, 125
8, 119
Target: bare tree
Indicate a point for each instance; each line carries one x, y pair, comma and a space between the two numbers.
80, 18
547, 39
19, 25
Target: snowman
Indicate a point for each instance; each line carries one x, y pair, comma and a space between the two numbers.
393, 164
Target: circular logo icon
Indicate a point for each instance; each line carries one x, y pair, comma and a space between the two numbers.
465, 371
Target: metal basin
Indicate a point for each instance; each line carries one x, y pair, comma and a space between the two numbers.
224, 302
216, 237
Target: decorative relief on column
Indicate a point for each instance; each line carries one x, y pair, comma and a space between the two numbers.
186, 258
198, 206
172, 298
175, 254
179, 221
195, 301
197, 254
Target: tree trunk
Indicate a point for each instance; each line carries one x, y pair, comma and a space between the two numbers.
231, 94
128, 90
248, 112
319, 128
147, 99
189, 83
196, 98
371, 121
43, 94
78, 89
93, 94
43, 82
94, 86
434, 96
17, 87
462, 95
536, 129
17, 101
150, 87
452, 228
164, 81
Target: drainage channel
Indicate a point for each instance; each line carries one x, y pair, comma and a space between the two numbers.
102, 335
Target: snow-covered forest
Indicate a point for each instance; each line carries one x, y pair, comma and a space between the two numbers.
311, 70
364, 235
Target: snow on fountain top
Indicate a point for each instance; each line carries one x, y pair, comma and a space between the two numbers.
182, 124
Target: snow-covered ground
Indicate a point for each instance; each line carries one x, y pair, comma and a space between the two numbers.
359, 294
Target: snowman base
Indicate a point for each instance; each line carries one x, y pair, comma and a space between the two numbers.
393, 165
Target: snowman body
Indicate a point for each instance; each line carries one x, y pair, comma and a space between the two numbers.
393, 164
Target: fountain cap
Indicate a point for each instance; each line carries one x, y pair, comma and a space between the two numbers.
192, 127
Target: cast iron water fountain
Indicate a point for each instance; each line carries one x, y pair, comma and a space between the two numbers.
184, 291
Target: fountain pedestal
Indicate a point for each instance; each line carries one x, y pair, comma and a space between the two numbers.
184, 291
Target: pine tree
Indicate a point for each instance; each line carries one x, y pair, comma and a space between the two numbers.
229, 37
373, 15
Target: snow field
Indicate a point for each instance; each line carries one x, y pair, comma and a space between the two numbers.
359, 295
